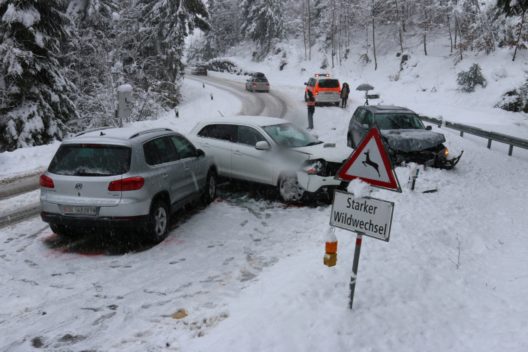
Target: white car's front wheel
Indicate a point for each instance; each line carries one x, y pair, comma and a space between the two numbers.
289, 189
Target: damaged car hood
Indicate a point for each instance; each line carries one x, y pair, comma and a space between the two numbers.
327, 151
412, 140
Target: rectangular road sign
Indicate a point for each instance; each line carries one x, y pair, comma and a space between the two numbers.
368, 216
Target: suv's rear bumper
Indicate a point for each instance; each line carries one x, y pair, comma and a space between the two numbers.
97, 222
327, 97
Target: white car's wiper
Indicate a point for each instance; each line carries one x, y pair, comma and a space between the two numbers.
313, 143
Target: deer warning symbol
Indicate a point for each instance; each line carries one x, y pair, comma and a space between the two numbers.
371, 163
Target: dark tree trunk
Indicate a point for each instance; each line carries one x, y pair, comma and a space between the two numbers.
519, 36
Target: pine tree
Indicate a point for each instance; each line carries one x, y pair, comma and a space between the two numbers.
153, 43
91, 55
34, 94
262, 22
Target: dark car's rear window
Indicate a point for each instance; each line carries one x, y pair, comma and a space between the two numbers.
328, 83
261, 79
91, 160
398, 121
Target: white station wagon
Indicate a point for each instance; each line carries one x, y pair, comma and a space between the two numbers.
271, 151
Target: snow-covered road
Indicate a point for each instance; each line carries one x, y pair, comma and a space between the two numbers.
249, 272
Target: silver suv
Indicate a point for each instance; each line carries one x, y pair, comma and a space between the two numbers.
124, 177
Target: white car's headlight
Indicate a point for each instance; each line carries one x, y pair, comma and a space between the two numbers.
314, 167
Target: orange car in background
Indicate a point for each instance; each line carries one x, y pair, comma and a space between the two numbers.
325, 89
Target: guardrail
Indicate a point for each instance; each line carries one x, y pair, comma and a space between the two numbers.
490, 136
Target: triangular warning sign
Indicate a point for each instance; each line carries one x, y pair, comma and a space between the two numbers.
370, 162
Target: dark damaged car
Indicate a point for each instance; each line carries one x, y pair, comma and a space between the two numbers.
404, 135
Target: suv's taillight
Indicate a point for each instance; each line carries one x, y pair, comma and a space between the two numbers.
46, 182
127, 184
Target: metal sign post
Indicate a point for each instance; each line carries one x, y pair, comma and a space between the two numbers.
355, 265
364, 215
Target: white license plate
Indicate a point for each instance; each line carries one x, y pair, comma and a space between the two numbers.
79, 210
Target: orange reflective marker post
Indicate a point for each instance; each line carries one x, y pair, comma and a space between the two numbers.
330, 257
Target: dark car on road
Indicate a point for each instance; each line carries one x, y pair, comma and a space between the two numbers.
199, 70
404, 135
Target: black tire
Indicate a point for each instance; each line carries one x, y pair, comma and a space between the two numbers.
159, 219
209, 192
60, 230
336, 104
289, 189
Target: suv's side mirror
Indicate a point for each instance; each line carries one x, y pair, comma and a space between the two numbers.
200, 153
262, 145
428, 127
305, 83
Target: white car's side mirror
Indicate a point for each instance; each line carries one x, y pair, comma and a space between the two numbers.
262, 145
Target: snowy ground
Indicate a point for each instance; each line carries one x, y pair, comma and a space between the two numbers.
249, 271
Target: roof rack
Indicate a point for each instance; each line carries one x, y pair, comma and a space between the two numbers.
93, 130
150, 131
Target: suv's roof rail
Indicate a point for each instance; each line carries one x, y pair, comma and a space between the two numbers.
150, 131
93, 130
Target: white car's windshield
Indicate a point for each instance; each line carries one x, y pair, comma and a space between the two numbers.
289, 136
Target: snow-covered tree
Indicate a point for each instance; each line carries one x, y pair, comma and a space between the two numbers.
34, 93
90, 60
153, 43
516, 8
262, 22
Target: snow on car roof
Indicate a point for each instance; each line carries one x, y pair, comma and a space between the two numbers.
387, 108
115, 134
253, 120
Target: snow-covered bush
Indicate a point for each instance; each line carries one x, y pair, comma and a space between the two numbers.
223, 65
468, 80
515, 100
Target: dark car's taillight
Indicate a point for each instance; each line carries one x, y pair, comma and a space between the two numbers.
127, 184
46, 182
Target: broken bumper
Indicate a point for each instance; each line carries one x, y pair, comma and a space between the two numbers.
313, 183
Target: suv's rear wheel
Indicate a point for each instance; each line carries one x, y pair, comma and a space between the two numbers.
289, 189
209, 193
159, 217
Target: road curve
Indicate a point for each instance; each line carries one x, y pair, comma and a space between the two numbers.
265, 104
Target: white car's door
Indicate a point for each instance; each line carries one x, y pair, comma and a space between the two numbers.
249, 163
217, 140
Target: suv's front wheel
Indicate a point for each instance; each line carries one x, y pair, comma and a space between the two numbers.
158, 224
289, 189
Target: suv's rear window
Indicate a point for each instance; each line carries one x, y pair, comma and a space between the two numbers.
328, 83
91, 160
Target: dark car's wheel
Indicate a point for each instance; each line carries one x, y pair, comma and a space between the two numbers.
60, 230
289, 189
158, 224
209, 193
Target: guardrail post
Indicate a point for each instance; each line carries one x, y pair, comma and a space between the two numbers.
510, 151
489, 143
461, 133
